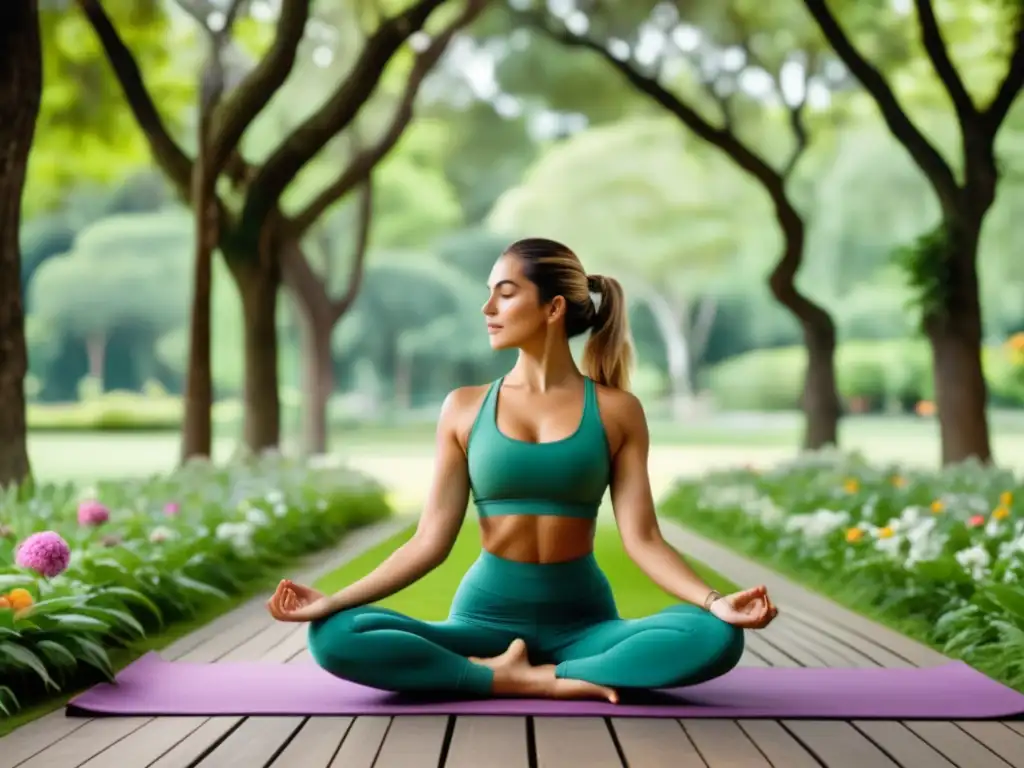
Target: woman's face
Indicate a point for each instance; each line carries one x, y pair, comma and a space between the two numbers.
513, 313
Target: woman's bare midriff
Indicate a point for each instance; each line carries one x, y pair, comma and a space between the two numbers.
537, 538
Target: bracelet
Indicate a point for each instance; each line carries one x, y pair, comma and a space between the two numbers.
713, 595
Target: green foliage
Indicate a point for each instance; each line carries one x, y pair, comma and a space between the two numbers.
939, 555
173, 546
86, 131
114, 411
928, 263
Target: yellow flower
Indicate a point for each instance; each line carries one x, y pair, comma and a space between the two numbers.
885, 533
853, 535
937, 506
899, 481
1006, 499
851, 485
1000, 513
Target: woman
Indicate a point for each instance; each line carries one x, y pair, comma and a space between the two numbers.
537, 448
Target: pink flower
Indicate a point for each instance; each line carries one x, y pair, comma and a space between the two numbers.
171, 509
92, 513
975, 521
45, 553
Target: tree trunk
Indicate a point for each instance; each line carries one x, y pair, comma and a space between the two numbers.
820, 401
317, 379
258, 284
21, 84
96, 354
961, 394
670, 316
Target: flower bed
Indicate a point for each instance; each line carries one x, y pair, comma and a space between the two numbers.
85, 571
938, 555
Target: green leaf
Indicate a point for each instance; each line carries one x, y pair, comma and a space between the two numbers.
93, 654
24, 658
8, 701
57, 653
9, 581
1010, 598
54, 605
192, 585
133, 596
119, 617
81, 622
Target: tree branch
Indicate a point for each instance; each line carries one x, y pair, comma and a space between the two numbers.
921, 150
343, 303
260, 84
166, 152
938, 53
1012, 83
723, 138
364, 161
333, 117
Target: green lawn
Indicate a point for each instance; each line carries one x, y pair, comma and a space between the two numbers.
430, 597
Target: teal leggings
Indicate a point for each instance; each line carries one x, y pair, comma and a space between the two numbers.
564, 612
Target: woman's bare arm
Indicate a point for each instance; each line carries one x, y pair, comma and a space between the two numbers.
438, 526
633, 503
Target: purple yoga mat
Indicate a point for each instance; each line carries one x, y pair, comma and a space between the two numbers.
954, 691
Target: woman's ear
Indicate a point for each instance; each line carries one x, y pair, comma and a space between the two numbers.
557, 309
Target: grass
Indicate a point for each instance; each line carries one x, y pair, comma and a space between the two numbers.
430, 598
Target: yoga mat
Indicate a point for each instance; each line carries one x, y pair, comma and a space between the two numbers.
954, 691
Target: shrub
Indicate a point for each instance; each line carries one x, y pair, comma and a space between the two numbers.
889, 375
149, 552
941, 553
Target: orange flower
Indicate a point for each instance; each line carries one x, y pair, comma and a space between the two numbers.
4, 603
851, 485
19, 599
937, 506
853, 535
1006, 499
1016, 342
885, 533
925, 408
1000, 513
898, 481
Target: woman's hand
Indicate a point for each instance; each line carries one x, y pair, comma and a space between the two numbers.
296, 602
750, 609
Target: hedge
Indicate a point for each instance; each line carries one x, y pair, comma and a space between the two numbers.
84, 572
872, 376
939, 555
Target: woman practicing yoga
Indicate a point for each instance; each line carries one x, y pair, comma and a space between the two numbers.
535, 616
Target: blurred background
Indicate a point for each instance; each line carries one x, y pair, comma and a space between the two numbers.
684, 149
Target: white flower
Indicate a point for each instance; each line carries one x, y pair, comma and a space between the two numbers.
975, 560
162, 533
257, 517
238, 534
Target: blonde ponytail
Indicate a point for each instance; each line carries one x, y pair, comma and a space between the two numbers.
608, 354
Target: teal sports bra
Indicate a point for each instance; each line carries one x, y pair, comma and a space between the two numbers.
564, 478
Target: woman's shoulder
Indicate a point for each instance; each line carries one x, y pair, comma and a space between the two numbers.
621, 410
460, 408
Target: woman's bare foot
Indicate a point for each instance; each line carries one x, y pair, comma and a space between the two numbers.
515, 676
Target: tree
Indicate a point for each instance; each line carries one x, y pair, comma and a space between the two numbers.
127, 271
256, 237
715, 51
682, 217
942, 264
21, 85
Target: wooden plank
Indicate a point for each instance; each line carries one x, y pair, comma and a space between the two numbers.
777, 744
655, 743
838, 745
562, 741
861, 643
1005, 742
362, 743
906, 747
723, 743
502, 741
833, 652
787, 592
955, 744
316, 743
413, 741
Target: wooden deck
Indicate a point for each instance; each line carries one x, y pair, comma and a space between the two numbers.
809, 632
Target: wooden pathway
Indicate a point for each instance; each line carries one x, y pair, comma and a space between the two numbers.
810, 631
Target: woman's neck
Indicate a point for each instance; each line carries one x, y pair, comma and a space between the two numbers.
545, 366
